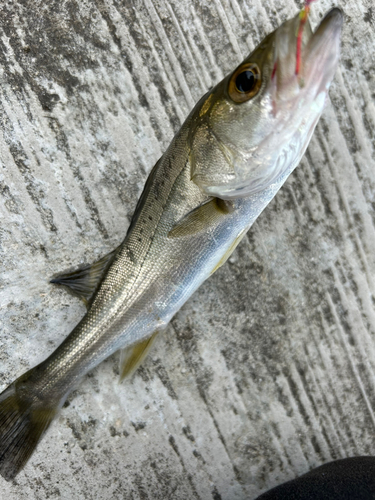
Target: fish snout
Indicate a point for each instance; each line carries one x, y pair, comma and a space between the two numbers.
323, 51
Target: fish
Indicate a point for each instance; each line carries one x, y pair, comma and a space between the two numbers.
226, 163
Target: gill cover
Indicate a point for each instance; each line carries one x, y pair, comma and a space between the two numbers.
257, 122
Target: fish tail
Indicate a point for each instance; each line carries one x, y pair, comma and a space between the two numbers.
24, 418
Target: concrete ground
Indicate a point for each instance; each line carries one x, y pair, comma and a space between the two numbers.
268, 370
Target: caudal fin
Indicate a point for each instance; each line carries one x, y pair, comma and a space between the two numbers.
23, 421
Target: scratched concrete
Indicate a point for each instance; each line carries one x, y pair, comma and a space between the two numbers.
269, 370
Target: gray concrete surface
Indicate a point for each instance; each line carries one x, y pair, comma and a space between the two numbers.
268, 370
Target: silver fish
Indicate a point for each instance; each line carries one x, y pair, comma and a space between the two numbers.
229, 159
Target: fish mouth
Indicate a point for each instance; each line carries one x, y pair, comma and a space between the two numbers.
323, 51
319, 55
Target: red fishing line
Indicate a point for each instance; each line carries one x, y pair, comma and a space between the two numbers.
304, 14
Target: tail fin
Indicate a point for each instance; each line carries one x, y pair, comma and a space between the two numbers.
23, 421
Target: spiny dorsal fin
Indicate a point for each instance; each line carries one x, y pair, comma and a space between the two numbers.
84, 282
131, 357
201, 218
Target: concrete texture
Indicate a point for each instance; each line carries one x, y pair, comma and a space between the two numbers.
269, 370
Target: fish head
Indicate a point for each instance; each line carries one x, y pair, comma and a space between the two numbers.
255, 125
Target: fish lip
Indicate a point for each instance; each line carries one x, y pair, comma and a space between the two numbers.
335, 16
331, 25
322, 52
319, 56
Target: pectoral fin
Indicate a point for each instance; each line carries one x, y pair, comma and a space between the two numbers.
201, 218
131, 357
84, 282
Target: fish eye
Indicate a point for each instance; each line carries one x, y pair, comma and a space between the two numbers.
244, 83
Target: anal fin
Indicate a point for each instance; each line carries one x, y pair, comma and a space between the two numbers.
85, 281
131, 357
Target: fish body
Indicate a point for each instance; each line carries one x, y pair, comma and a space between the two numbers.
223, 167
151, 276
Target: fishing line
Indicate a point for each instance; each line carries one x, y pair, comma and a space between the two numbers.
303, 15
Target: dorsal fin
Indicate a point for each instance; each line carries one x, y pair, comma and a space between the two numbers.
131, 357
85, 281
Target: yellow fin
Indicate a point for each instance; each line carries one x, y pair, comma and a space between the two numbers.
131, 357
201, 218
230, 250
